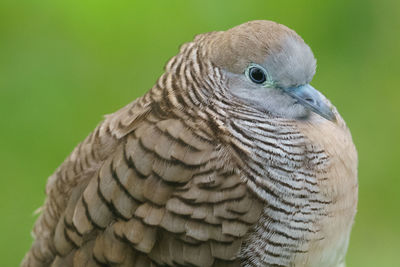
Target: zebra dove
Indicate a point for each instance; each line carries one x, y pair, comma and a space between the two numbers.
231, 159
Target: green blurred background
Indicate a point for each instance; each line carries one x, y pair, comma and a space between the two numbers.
63, 64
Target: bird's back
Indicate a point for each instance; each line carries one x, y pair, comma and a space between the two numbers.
145, 189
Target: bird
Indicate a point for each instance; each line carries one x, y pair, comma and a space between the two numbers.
232, 158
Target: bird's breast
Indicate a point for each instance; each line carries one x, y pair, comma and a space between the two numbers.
307, 177
340, 185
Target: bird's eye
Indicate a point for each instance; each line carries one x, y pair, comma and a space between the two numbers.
257, 75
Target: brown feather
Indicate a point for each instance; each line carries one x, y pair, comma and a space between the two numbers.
168, 179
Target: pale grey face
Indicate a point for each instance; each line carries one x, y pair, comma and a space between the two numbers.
293, 65
280, 84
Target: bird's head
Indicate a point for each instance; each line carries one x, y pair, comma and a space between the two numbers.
268, 66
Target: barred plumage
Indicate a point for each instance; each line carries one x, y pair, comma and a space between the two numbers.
207, 169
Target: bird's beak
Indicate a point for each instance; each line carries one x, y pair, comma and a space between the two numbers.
310, 98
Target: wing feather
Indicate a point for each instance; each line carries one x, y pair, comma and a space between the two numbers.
141, 191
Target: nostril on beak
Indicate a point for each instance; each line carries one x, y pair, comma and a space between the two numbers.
310, 100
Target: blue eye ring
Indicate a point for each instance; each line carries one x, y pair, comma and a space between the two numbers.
257, 75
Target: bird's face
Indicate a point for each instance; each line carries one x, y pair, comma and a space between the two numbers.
269, 67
